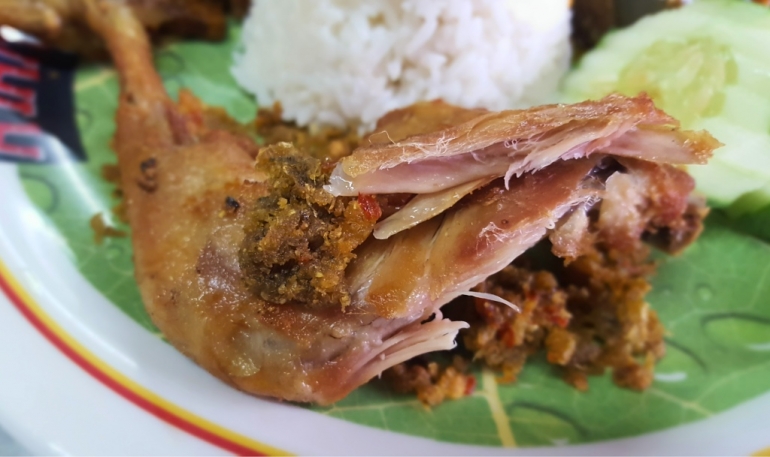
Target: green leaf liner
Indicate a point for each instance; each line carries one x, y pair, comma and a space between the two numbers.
714, 300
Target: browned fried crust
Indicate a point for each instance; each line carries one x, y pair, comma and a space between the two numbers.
299, 238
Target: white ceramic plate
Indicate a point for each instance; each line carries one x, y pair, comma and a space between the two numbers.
82, 371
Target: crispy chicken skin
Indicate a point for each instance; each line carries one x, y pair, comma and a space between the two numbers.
180, 180
513, 142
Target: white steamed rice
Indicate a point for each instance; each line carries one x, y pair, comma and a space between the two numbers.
348, 62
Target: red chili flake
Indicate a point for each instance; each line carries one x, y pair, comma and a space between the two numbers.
370, 207
557, 318
328, 165
482, 306
507, 336
391, 203
470, 385
488, 310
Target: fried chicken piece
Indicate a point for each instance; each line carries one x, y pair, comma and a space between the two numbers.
180, 176
59, 22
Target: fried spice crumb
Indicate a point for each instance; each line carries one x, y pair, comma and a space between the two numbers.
300, 238
589, 316
325, 143
102, 230
431, 382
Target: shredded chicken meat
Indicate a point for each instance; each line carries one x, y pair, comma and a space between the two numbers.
580, 293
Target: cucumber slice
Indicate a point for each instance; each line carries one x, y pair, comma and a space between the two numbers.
707, 65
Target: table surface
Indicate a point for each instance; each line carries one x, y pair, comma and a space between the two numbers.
9, 446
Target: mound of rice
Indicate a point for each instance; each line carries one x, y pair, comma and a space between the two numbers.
348, 62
